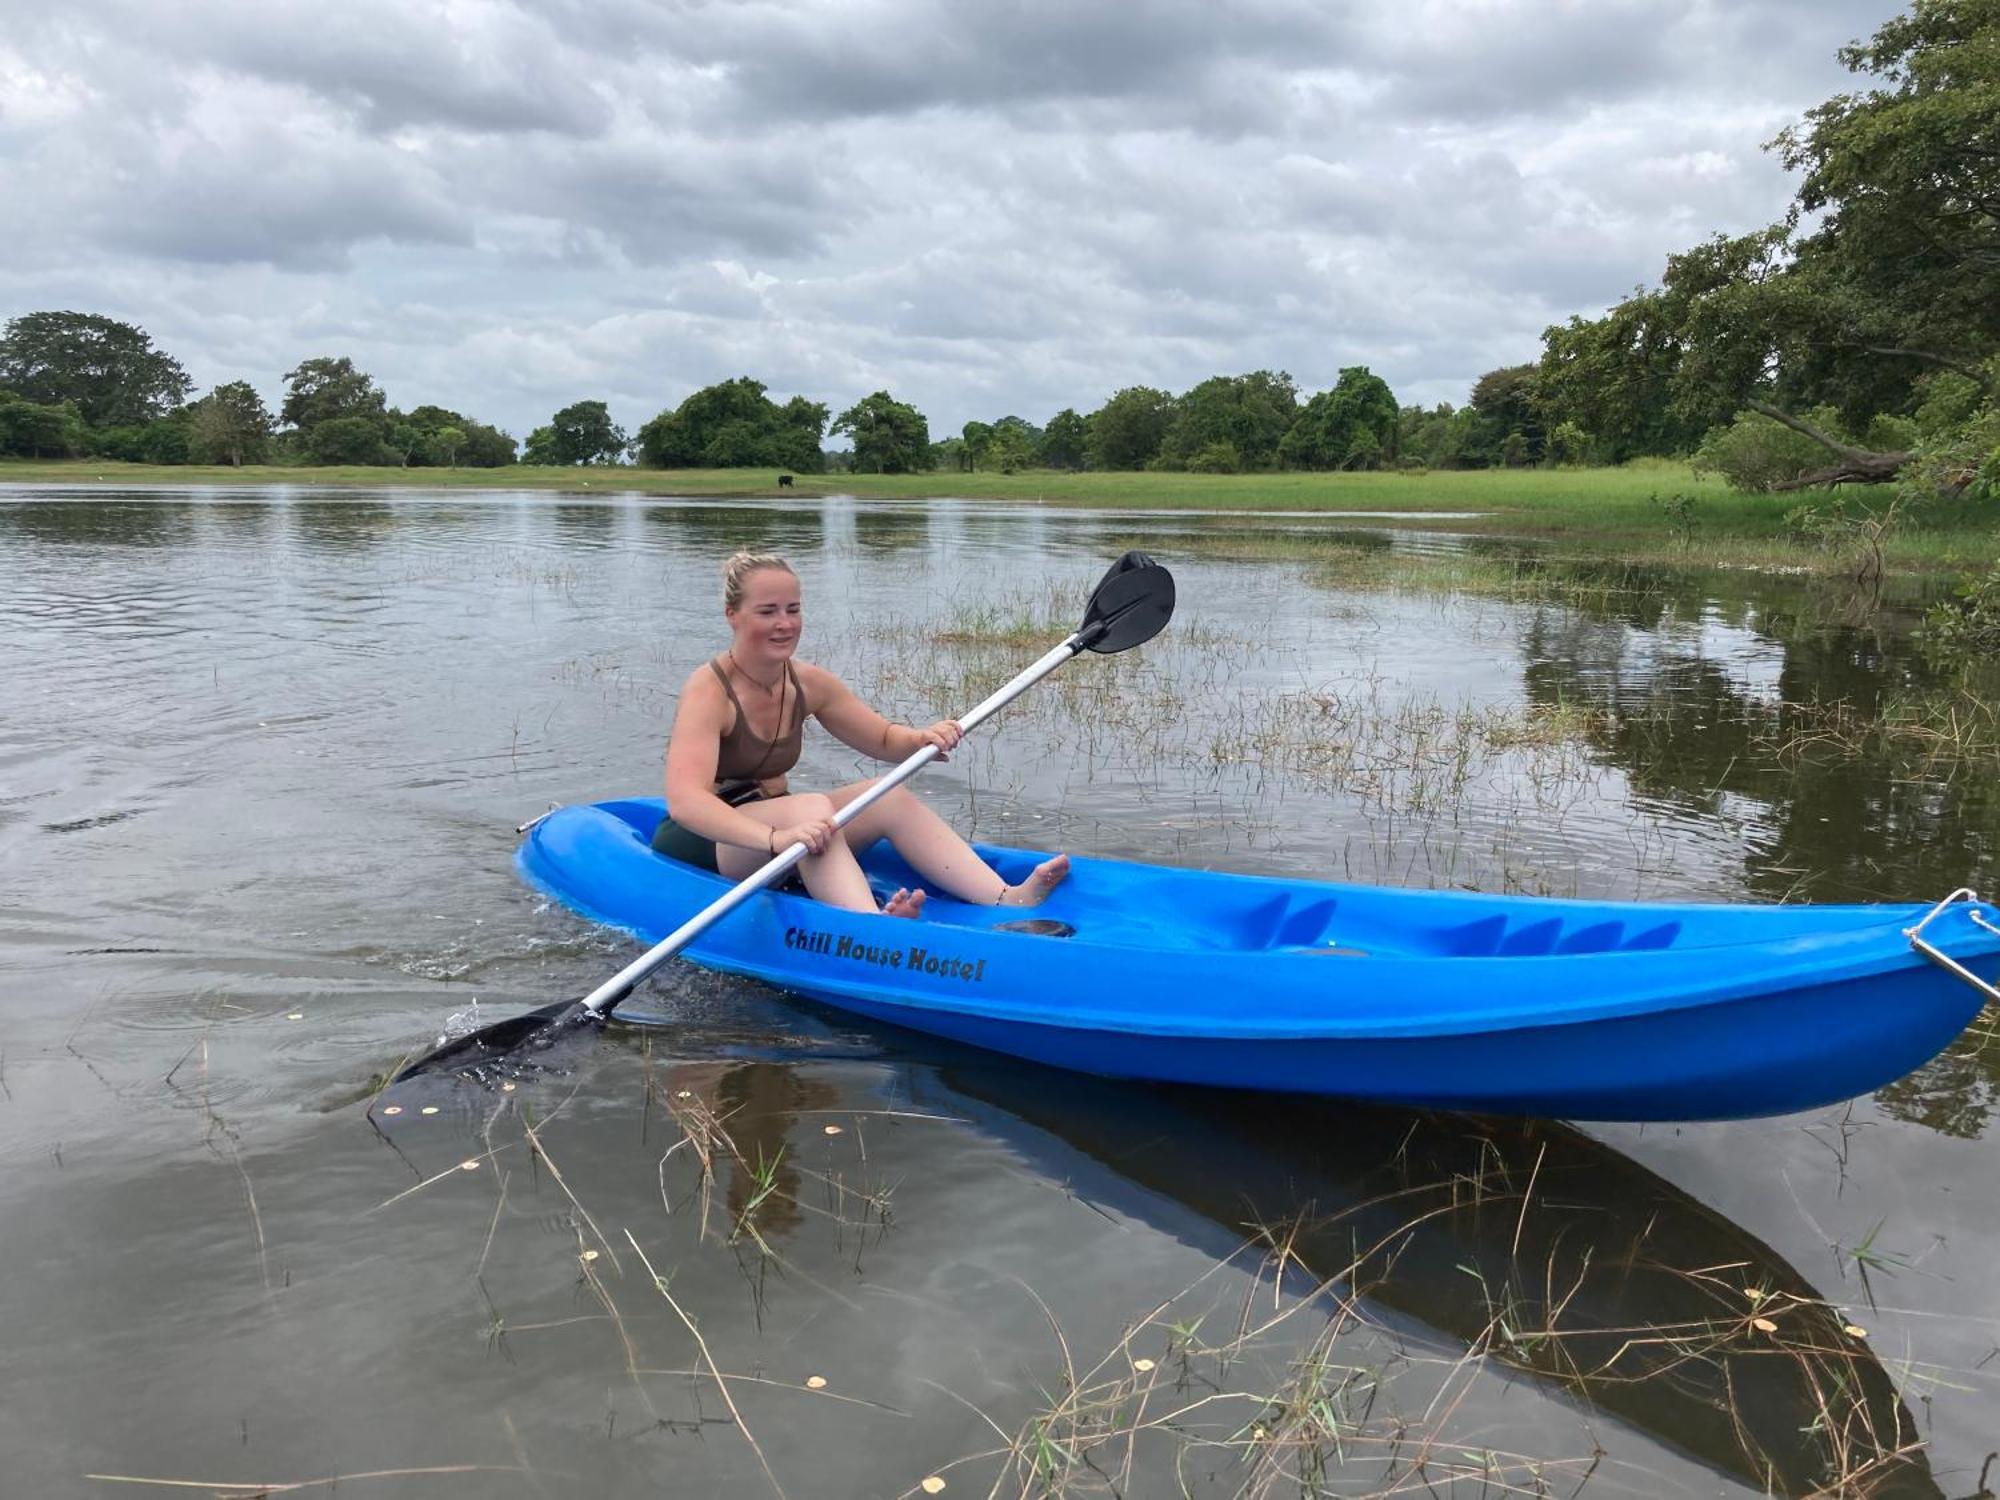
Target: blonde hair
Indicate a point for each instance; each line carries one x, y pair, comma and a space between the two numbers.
739, 568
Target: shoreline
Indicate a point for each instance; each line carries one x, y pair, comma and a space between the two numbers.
1649, 511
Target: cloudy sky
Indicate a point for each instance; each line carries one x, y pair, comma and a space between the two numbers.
985, 206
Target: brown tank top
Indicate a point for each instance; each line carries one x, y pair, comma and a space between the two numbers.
743, 756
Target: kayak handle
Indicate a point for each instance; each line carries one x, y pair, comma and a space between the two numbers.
1944, 960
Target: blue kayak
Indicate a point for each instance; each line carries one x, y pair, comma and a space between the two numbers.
1502, 1004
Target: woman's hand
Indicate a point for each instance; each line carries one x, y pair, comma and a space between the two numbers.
815, 834
945, 734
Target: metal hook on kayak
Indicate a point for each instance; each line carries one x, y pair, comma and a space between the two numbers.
1944, 960
539, 819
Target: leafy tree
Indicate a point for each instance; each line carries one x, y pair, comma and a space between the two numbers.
1897, 279
445, 438
1440, 437
1614, 376
326, 389
109, 370
736, 445
1352, 425
733, 424
975, 437
890, 437
1125, 432
1011, 446
349, 440
540, 448
1567, 444
1508, 401
31, 429
164, 440
1250, 413
231, 425
406, 442
1218, 457
583, 433
486, 447
1063, 441
1907, 181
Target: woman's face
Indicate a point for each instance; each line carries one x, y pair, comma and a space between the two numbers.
767, 623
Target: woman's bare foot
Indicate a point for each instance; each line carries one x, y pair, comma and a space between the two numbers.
1033, 891
904, 904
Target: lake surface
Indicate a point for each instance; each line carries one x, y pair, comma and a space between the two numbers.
262, 759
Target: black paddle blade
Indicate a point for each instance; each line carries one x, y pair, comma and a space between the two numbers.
1132, 604
504, 1040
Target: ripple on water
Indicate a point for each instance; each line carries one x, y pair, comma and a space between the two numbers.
250, 828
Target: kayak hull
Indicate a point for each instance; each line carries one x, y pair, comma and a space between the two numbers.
1506, 1005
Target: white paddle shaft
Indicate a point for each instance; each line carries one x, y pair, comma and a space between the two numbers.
619, 985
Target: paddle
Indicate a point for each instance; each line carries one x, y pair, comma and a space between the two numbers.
1131, 603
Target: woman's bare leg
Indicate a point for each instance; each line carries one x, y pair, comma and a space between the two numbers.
832, 876
934, 849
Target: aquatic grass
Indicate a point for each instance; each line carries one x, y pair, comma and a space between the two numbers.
328, 1482
1331, 1420
1305, 1390
722, 1386
1956, 729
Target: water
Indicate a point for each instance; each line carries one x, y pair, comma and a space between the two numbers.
261, 760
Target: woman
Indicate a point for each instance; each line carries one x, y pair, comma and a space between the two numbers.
738, 733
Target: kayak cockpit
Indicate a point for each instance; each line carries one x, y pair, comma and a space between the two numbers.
1163, 910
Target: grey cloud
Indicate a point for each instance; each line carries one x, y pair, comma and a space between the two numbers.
301, 214
984, 208
885, 57
500, 69
664, 199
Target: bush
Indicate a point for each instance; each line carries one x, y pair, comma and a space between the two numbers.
350, 440
1971, 625
1756, 454
163, 441
1567, 445
30, 429
1219, 457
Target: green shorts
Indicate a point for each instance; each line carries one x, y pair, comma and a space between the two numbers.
689, 847
685, 845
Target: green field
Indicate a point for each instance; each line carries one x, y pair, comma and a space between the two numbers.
1606, 509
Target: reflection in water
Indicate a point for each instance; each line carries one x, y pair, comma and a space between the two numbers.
108, 521
892, 530
718, 530
346, 525
1531, 1242
1791, 732
755, 1106
267, 750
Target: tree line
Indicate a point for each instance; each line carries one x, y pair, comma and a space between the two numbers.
83, 385
1855, 341
79, 385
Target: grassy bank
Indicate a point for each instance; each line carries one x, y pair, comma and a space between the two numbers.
1631, 510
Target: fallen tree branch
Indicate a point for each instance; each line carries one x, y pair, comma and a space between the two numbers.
1856, 466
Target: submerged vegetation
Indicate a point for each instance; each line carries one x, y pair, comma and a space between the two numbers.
804, 1255
1368, 1274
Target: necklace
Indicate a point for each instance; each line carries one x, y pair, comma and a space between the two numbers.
772, 691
